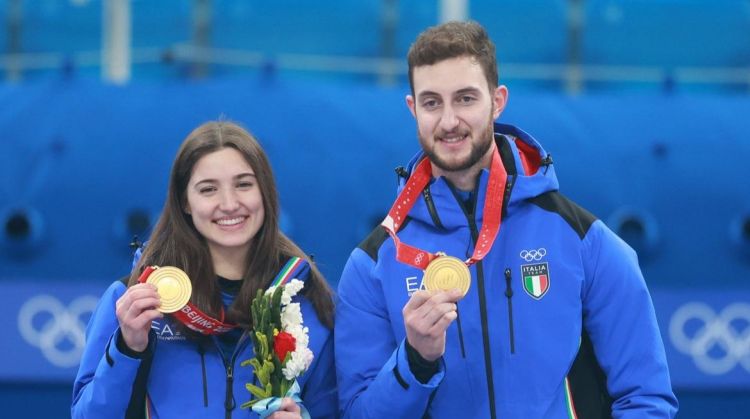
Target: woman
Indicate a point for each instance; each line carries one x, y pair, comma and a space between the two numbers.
219, 225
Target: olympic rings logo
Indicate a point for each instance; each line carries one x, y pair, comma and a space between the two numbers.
720, 342
58, 331
531, 255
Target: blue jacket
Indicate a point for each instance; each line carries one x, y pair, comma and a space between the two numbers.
186, 379
557, 287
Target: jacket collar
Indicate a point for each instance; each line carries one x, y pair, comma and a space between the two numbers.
530, 173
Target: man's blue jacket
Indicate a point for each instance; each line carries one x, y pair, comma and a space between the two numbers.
558, 322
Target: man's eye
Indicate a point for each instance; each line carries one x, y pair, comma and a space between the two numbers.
466, 99
429, 104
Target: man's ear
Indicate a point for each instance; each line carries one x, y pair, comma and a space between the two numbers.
500, 99
410, 103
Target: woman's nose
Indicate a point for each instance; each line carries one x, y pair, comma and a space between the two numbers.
229, 201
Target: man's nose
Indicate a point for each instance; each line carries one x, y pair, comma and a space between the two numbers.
448, 120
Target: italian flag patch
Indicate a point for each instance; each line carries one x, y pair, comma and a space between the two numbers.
535, 279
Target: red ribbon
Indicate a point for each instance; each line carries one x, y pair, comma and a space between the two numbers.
419, 179
192, 317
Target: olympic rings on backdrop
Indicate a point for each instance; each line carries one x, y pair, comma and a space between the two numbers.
531, 255
728, 331
46, 323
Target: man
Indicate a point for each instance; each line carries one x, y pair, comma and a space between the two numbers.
548, 285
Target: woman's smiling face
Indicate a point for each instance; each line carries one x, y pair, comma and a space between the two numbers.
224, 201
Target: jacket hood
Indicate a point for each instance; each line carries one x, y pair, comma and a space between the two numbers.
530, 173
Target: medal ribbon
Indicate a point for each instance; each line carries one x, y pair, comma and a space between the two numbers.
192, 317
421, 176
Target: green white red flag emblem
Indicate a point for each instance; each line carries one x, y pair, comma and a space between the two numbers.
535, 279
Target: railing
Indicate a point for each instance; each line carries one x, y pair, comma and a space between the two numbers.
385, 68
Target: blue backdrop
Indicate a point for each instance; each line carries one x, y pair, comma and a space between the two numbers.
84, 166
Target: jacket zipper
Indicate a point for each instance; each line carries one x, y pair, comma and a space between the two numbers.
485, 334
229, 402
483, 317
483, 298
229, 399
509, 295
460, 333
470, 216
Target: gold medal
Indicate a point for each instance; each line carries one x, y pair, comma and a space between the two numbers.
173, 286
445, 273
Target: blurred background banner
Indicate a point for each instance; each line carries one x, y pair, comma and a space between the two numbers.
643, 105
707, 337
48, 322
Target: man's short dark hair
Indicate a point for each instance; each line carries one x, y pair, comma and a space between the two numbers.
451, 40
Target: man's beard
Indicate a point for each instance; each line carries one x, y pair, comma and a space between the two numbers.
478, 151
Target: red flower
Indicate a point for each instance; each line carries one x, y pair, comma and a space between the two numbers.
283, 343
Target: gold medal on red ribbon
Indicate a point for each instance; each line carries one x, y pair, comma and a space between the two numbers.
445, 273
173, 286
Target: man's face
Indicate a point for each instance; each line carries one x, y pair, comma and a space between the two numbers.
455, 109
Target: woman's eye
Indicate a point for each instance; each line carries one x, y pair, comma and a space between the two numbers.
207, 189
245, 185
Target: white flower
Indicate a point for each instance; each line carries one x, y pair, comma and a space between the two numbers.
291, 315
290, 290
298, 363
301, 358
300, 335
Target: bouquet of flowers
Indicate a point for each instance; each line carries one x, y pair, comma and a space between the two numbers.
281, 346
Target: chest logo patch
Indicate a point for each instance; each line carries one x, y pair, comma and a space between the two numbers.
535, 279
166, 331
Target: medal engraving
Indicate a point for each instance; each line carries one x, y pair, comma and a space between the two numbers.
173, 286
445, 273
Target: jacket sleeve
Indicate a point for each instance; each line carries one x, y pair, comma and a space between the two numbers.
105, 378
373, 372
619, 317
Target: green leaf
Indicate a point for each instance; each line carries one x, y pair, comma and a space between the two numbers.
257, 391
249, 404
276, 307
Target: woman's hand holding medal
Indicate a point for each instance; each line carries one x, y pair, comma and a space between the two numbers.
135, 310
160, 290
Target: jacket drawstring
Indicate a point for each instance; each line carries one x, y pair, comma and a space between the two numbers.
202, 352
431, 207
